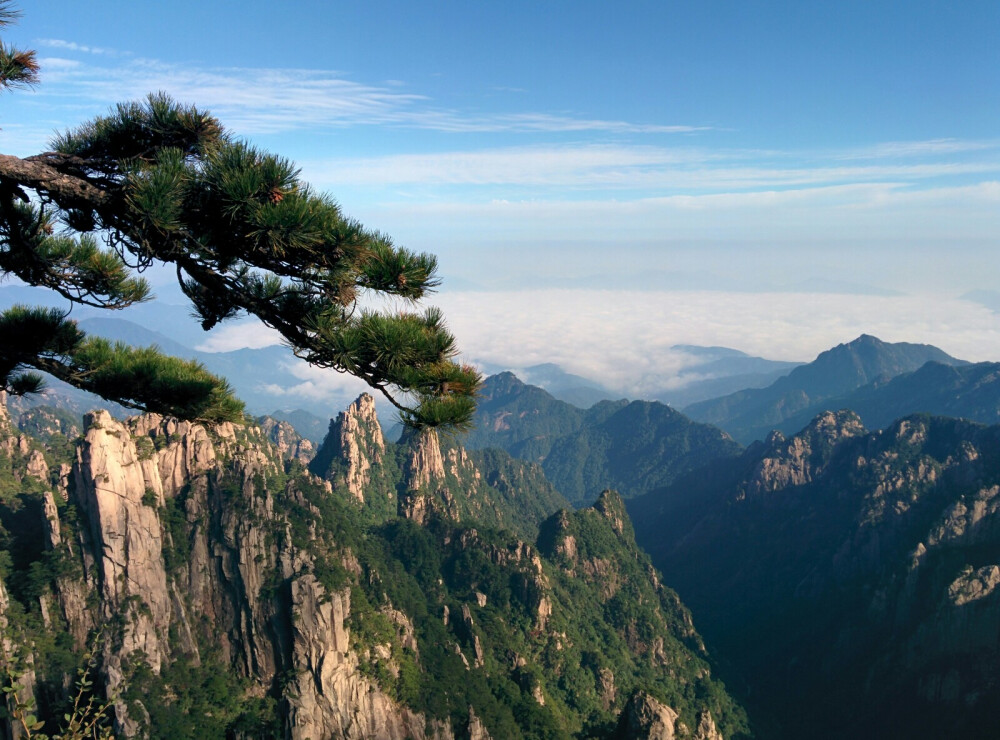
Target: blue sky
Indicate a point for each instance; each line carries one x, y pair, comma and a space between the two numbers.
581, 169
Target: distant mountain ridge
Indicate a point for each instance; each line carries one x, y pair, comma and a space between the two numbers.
629, 446
962, 391
706, 372
750, 414
720, 370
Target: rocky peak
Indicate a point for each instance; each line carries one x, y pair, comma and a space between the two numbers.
114, 485
425, 464
797, 460
353, 446
290, 443
501, 385
611, 506
645, 718
5, 421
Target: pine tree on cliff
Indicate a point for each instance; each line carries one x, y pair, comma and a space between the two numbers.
156, 183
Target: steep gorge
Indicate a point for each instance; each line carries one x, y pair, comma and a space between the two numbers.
848, 577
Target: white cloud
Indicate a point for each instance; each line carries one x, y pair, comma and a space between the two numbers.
240, 335
324, 392
920, 148
73, 46
624, 338
319, 384
265, 101
626, 167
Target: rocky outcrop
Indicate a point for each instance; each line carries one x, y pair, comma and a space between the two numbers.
329, 697
424, 479
475, 730
354, 447
797, 461
290, 443
645, 718
425, 466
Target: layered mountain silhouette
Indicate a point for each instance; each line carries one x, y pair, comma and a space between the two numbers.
750, 414
962, 391
718, 371
632, 447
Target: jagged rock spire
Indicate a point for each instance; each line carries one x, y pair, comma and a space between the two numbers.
353, 445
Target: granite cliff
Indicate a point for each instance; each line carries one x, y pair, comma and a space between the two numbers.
395, 592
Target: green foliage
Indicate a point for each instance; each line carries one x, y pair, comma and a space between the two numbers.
177, 543
493, 652
44, 339
631, 447
197, 701
17, 68
87, 718
164, 183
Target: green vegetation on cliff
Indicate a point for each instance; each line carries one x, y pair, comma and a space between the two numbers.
287, 603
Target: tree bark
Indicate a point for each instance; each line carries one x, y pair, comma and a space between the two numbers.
63, 188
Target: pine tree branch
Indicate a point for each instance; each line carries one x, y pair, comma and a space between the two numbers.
66, 189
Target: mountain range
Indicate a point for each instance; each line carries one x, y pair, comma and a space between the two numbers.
389, 592
750, 414
847, 577
631, 447
253, 584
705, 372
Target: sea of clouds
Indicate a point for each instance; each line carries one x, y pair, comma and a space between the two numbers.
624, 339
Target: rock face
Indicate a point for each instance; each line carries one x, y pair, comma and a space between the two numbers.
227, 593
290, 443
797, 461
126, 541
645, 718
125, 478
424, 475
353, 448
422, 479
331, 697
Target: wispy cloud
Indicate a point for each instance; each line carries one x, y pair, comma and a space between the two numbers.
318, 385
73, 46
626, 167
262, 100
919, 148
234, 336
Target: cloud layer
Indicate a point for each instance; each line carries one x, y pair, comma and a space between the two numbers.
624, 338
